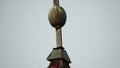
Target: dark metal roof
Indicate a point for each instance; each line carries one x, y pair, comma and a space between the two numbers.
59, 53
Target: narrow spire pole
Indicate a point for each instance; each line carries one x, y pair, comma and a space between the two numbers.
56, 2
59, 37
58, 30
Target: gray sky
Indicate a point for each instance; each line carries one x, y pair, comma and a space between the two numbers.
91, 34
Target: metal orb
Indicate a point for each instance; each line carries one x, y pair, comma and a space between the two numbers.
57, 16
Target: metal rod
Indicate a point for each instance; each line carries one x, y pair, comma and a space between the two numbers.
56, 2
59, 37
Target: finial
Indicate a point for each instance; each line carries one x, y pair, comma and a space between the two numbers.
58, 57
57, 15
57, 18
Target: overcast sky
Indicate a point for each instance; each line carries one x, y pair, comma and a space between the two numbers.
91, 35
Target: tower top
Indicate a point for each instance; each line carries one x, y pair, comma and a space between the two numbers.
57, 18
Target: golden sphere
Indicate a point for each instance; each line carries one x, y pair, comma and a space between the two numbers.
57, 16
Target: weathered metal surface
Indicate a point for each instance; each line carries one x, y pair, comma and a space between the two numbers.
57, 16
59, 53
